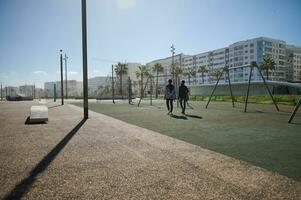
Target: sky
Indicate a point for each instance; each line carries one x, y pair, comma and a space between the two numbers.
33, 31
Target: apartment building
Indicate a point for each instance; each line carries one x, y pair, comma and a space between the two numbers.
294, 61
27, 90
73, 89
167, 63
237, 57
10, 91
96, 83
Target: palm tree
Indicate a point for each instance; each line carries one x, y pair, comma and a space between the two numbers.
217, 73
190, 72
120, 70
157, 68
268, 64
141, 73
177, 72
202, 70
99, 90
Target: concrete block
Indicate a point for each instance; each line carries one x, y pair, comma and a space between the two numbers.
38, 114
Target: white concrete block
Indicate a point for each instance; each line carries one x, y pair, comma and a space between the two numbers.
38, 114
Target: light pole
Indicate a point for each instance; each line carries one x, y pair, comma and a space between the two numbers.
85, 61
172, 65
62, 83
65, 59
113, 92
34, 91
1, 92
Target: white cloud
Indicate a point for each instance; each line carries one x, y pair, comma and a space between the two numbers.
72, 73
69, 72
38, 72
126, 4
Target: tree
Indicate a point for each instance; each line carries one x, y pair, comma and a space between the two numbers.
202, 70
190, 72
99, 90
217, 73
177, 72
157, 68
268, 64
120, 70
141, 73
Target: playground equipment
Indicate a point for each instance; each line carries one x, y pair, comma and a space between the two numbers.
294, 111
252, 66
225, 69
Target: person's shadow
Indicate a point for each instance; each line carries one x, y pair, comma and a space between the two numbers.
179, 117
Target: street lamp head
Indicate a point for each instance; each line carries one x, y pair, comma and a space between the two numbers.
61, 50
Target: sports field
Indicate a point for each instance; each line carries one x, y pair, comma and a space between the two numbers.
261, 136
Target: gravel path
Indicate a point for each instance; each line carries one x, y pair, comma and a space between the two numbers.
104, 158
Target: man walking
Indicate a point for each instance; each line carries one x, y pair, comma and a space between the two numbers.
183, 96
170, 96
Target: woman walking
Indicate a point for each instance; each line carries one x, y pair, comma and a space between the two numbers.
170, 96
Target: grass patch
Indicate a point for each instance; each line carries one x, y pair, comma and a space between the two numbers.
281, 99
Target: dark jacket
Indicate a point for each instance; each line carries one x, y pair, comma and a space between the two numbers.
170, 92
183, 92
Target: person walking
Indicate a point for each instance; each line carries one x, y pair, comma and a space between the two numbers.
183, 96
170, 96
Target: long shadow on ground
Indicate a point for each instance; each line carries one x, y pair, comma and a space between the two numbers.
23, 187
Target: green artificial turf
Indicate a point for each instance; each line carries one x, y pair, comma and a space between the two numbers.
261, 136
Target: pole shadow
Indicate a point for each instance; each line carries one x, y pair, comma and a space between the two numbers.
24, 186
194, 116
54, 106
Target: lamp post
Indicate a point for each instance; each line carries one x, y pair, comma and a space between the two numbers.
85, 61
62, 82
172, 65
1, 92
65, 59
113, 92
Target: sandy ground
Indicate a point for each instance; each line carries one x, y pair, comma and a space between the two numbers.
104, 158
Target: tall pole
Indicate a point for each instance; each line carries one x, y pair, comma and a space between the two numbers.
1, 92
230, 86
219, 77
34, 91
248, 90
54, 92
113, 91
294, 111
130, 90
151, 91
172, 65
62, 83
65, 59
85, 61
267, 87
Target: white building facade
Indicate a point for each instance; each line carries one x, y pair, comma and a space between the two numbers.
237, 57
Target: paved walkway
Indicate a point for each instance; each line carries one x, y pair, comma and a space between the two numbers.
104, 158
